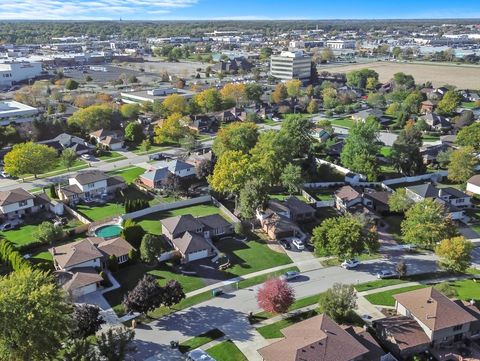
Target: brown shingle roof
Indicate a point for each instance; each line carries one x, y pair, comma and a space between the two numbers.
191, 242
76, 253
405, 331
81, 277
115, 246
433, 309
90, 176
14, 196
475, 180
180, 224
214, 221
297, 206
316, 339
347, 193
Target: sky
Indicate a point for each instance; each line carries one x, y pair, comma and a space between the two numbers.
236, 10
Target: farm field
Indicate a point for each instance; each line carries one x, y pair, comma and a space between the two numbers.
462, 77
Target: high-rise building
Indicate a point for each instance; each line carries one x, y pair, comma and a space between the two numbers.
290, 65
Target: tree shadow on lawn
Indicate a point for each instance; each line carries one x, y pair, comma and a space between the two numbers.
414, 266
229, 246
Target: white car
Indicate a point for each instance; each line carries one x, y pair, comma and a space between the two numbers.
299, 244
289, 275
4, 174
385, 274
86, 156
350, 263
199, 355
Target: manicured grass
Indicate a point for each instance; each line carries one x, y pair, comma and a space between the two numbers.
430, 138
226, 351
22, 235
59, 169
273, 330
200, 340
187, 302
151, 223
469, 105
378, 284
129, 276
467, 289
249, 282
250, 257
342, 122
112, 157
386, 298
282, 197
128, 173
337, 261
45, 255
153, 149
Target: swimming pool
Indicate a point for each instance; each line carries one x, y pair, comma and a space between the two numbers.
110, 231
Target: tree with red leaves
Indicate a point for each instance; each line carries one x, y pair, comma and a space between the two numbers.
275, 296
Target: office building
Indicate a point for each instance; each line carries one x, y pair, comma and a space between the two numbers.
290, 65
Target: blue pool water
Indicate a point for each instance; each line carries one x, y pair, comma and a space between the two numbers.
109, 231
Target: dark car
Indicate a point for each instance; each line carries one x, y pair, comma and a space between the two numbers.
285, 244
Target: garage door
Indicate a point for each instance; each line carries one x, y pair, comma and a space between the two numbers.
197, 255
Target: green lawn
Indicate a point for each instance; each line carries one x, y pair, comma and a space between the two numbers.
430, 138
251, 257
385, 298
273, 330
59, 168
200, 340
226, 351
386, 151
22, 235
129, 276
249, 282
469, 105
342, 122
112, 157
128, 173
467, 289
151, 223
378, 284
282, 197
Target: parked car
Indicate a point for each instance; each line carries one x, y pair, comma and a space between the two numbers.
285, 244
86, 156
4, 174
6, 226
298, 244
157, 156
199, 355
350, 263
386, 274
289, 275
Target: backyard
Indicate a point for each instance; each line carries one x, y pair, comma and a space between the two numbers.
128, 173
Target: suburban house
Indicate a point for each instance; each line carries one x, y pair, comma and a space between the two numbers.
453, 199
321, 339
233, 65
362, 115
428, 106
17, 202
66, 141
192, 237
426, 320
320, 134
473, 184
89, 185
77, 263
159, 171
437, 122
279, 219
111, 139
430, 153
203, 123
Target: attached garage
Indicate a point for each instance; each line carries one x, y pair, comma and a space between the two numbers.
193, 256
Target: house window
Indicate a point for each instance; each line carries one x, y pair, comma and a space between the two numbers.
91, 185
457, 328
22, 203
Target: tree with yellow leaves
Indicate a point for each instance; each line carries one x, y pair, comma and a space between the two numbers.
174, 103
454, 253
170, 130
30, 158
234, 91
231, 172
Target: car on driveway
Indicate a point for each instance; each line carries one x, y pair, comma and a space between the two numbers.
385, 274
350, 263
298, 244
285, 244
289, 275
199, 355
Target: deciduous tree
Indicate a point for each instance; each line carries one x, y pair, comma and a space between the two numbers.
230, 173
406, 156
238, 136
150, 248
145, 296
47, 233
470, 136
275, 296
174, 103
234, 91
30, 158
399, 201
462, 164
115, 343
291, 178
338, 302
130, 111
253, 195
279, 93
171, 130
454, 253
68, 157
450, 101
172, 293
87, 320
91, 118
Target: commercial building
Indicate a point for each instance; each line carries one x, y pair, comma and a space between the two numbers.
15, 112
290, 65
152, 95
341, 44
14, 72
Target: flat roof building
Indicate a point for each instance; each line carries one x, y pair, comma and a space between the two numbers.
290, 65
15, 112
14, 72
153, 94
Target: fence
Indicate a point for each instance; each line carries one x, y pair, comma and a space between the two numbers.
167, 206
323, 184
225, 210
77, 215
429, 176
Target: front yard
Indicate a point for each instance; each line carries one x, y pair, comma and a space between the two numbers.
111, 157
226, 351
342, 122
385, 298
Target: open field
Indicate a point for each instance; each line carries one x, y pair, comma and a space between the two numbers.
461, 76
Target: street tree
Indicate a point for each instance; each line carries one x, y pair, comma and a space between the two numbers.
145, 145
150, 248
68, 158
145, 296
35, 318
29, 158
401, 268
275, 296
454, 253
338, 302
238, 136
312, 107
134, 132
115, 343
172, 293
463, 162
360, 151
87, 320
291, 178
426, 223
